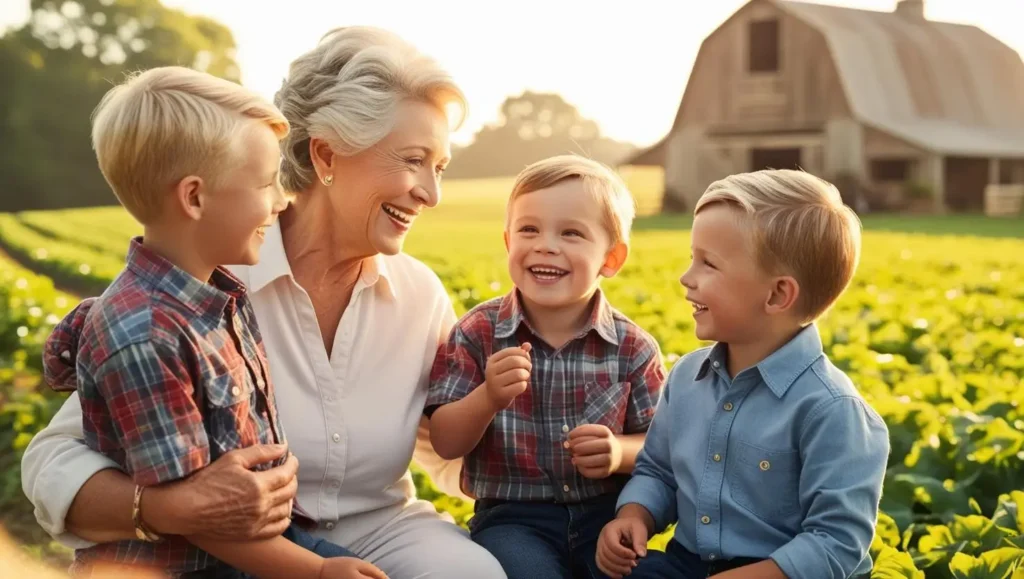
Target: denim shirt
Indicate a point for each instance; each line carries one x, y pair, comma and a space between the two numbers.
785, 461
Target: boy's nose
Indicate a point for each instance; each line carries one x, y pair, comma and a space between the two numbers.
686, 281
546, 246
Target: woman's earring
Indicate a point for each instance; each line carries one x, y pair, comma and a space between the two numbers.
328, 179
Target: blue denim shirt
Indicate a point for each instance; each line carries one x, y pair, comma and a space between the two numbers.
785, 461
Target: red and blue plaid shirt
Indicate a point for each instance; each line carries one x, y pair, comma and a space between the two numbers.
611, 374
172, 374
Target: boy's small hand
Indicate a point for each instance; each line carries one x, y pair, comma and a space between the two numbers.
349, 568
596, 452
621, 543
507, 375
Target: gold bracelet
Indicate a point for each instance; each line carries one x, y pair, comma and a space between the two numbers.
143, 533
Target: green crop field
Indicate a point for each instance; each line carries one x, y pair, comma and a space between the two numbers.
931, 331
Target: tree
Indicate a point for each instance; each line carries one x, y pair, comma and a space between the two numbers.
533, 126
57, 67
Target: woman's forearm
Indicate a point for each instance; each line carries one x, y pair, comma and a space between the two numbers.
102, 509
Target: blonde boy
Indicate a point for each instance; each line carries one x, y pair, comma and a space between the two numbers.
548, 391
762, 450
168, 362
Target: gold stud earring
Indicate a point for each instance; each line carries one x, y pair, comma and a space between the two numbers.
328, 179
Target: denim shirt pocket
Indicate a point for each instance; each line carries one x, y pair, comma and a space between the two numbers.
765, 482
604, 403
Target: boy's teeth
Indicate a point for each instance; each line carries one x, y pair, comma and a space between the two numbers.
547, 271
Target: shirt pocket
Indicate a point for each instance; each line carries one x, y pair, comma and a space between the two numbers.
604, 403
765, 482
229, 388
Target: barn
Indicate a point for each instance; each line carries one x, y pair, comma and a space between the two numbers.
898, 110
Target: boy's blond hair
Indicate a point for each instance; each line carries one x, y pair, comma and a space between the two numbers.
166, 123
608, 189
799, 227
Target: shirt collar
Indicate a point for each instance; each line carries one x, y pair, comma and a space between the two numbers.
205, 299
602, 319
273, 264
782, 367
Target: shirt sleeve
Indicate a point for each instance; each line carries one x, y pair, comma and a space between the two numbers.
147, 395
55, 466
844, 449
445, 474
456, 370
653, 484
646, 379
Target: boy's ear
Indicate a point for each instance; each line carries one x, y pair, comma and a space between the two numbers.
505, 235
783, 296
188, 196
615, 259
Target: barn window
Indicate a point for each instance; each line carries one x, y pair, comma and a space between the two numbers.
763, 46
890, 170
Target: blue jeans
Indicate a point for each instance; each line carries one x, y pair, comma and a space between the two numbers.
295, 534
543, 540
678, 563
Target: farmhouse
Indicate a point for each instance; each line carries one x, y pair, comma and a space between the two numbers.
897, 109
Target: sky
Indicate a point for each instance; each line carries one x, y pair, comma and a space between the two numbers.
622, 64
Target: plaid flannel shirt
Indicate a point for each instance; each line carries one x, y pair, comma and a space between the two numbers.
611, 374
172, 374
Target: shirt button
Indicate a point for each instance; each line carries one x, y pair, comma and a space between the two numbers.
565, 488
765, 465
727, 406
705, 519
717, 457
711, 556
336, 437
329, 526
565, 428
716, 364
235, 391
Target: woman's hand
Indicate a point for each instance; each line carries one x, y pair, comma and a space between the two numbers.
227, 500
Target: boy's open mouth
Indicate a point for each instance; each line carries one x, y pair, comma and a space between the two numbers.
698, 308
547, 272
397, 214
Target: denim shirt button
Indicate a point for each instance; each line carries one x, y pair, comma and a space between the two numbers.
705, 519
717, 457
727, 406
565, 488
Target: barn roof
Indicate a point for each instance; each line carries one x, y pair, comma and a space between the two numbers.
948, 88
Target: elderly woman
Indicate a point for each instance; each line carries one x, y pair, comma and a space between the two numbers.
350, 324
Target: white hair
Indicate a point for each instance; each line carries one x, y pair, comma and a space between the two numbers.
346, 91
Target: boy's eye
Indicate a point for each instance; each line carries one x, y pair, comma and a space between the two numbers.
572, 232
528, 229
709, 264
